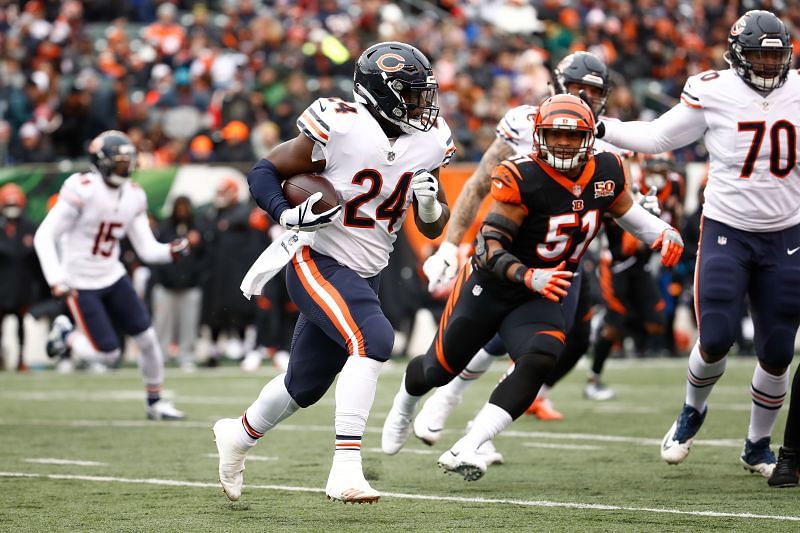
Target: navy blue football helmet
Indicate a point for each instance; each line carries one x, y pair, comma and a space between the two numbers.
113, 155
396, 81
760, 50
586, 69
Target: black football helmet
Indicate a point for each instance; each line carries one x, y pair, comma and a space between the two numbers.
587, 69
760, 50
113, 155
396, 80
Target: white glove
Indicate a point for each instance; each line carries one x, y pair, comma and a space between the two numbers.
442, 266
302, 218
648, 201
179, 248
552, 283
426, 188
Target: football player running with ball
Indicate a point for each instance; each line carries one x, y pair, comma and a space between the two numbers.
748, 116
547, 210
382, 154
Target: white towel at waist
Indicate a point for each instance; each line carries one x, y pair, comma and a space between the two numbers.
273, 259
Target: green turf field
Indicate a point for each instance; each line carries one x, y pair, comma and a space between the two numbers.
599, 470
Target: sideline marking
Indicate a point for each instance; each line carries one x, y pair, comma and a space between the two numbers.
400, 495
52, 461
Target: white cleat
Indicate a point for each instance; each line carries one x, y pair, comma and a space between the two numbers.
346, 483
164, 410
672, 451
677, 443
231, 456
431, 419
489, 454
252, 361
467, 464
396, 429
596, 391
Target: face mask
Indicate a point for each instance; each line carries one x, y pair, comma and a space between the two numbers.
12, 211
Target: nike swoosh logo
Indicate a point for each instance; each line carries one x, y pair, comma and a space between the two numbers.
498, 184
434, 430
321, 107
454, 454
792, 251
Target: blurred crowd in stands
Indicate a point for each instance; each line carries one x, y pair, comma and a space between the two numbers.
223, 80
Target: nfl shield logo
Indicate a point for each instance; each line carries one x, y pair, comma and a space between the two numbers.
722, 240
390, 156
576, 190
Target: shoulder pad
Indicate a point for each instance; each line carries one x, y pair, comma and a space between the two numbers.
445, 141
697, 86
516, 127
324, 116
76, 189
506, 179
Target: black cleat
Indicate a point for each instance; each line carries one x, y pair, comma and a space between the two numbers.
786, 469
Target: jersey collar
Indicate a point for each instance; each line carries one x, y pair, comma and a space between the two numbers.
575, 187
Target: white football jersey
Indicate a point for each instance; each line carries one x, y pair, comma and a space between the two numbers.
90, 247
372, 177
752, 141
516, 130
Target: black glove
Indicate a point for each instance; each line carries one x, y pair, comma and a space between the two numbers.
599, 130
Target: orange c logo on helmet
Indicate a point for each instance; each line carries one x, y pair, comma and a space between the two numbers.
381, 62
739, 26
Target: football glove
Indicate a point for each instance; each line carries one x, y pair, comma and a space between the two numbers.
425, 187
649, 201
671, 245
552, 283
179, 248
442, 266
599, 130
302, 218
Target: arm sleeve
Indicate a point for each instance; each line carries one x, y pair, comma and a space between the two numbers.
145, 243
266, 190
60, 219
678, 127
641, 224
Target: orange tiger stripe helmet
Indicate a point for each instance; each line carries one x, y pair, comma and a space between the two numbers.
564, 112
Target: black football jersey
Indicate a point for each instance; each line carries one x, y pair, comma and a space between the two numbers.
564, 214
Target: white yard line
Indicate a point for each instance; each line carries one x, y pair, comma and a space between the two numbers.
52, 461
250, 457
562, 446
413, 451
400, 495
642, 441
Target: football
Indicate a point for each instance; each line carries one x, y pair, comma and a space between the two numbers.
298, 188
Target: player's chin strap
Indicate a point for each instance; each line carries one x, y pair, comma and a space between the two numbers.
641, 224
273, 259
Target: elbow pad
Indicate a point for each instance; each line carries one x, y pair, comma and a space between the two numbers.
496, 264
